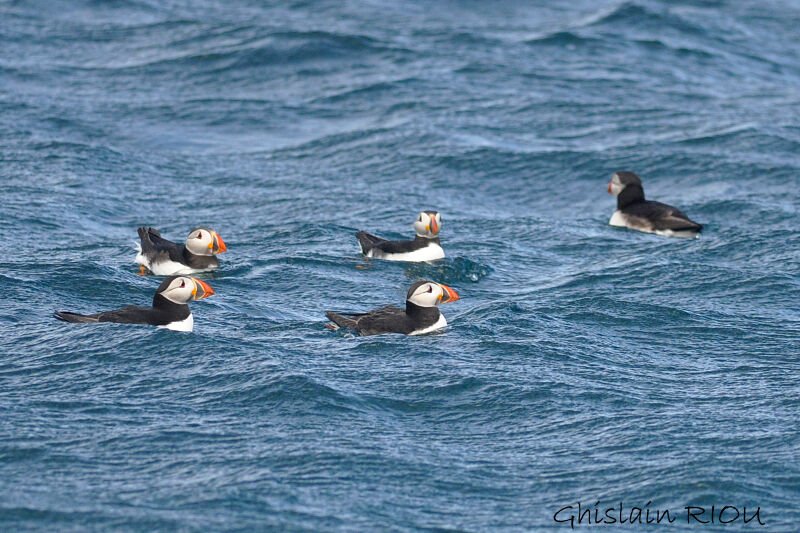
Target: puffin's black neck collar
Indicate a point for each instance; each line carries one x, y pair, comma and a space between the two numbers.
189, 255
631, 194
420, 238
160, 302
422, 314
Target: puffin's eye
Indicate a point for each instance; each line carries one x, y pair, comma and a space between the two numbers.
430, 289
199, 235
183, 284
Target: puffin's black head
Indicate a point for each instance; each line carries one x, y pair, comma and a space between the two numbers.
627, 178
428, 224
182, 290
627, 187
430, 294
622, 179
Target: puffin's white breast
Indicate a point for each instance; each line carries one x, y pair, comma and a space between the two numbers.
431, 252
168, 267
187, 324
618, 219
681, 234
442, 322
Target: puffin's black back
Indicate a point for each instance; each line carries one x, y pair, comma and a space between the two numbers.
631, 201
389, 319
402, 247
162, 313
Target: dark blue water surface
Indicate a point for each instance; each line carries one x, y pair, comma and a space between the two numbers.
583, 363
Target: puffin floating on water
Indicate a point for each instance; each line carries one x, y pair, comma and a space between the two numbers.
420, 316
424, 247
634, 212
166, 258
170, 309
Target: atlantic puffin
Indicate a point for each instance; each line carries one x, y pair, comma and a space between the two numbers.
420, 316
424, 247
634, 212
170, 309
166, 258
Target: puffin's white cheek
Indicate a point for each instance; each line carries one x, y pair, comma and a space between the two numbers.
428, 299
178, 295
199, 246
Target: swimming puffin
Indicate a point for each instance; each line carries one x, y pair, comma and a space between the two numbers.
166, 258
424, 247
170, 309
420, 315
634, 212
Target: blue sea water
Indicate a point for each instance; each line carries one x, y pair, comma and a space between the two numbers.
583, 363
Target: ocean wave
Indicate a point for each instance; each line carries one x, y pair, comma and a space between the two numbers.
633, 14
564, 38
257, 49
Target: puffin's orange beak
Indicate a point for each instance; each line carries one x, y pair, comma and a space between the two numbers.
434, 226
205, 289
609, 187
219, 244
449, 294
